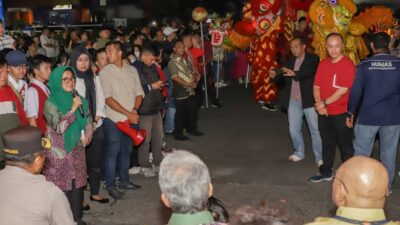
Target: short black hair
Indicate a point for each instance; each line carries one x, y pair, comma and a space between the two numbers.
154, 31
381, 40
98, 52
334, 34
3, 61
88, 34
37, 60
176, 41
117, 44
134, 36
149, 47
29, 42
62, 58
127, 49
302, 42
301, 19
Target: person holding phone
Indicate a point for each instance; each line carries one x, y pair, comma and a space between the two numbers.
150, 110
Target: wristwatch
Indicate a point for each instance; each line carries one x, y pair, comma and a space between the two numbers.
324, 102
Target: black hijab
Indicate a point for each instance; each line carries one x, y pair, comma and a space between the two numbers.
87, 76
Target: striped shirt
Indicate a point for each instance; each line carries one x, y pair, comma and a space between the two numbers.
6, 42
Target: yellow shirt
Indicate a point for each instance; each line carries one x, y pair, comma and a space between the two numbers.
356, 214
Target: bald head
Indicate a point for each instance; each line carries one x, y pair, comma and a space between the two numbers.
360, 182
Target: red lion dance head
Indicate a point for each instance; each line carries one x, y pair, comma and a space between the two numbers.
258, 16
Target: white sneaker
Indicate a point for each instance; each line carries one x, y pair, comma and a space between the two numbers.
320, 163
134, 170
223, 83
217, 85
151, 157
155, 168
294, 158
240, 80
147, 172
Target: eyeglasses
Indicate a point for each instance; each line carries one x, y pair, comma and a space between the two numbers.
68, 79
20, 67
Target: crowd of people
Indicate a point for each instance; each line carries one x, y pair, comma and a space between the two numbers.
77, 91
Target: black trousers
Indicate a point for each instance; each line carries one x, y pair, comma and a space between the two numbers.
334, 132
185, 115
94, 160
75, 199
211, 92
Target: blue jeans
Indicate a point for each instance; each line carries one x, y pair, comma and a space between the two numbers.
295, 116
118, 148
170, 117
389, 139
215, 71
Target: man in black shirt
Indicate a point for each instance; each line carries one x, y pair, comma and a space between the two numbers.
150, 110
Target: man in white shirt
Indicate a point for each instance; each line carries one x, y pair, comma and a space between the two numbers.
38, 92
6, 41
47, 43
123, 95
17, 70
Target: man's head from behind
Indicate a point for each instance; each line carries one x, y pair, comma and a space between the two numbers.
23, 147
185, 182
380, 42
360, 182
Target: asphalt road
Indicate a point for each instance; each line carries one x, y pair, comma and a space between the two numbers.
246, 150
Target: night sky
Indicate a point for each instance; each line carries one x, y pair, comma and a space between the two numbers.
183, 8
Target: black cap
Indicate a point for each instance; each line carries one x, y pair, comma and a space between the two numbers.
23, 141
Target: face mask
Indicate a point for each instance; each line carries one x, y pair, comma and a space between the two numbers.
137, 54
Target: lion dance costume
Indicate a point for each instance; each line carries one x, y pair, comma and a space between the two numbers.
265, 30
336, 16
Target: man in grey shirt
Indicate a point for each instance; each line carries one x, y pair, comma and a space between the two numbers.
27, 198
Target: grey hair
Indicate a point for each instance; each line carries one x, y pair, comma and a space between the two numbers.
184, 179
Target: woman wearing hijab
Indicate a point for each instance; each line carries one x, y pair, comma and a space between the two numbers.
88, 85
69, 131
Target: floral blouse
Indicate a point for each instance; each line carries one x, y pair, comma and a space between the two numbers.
62, 167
